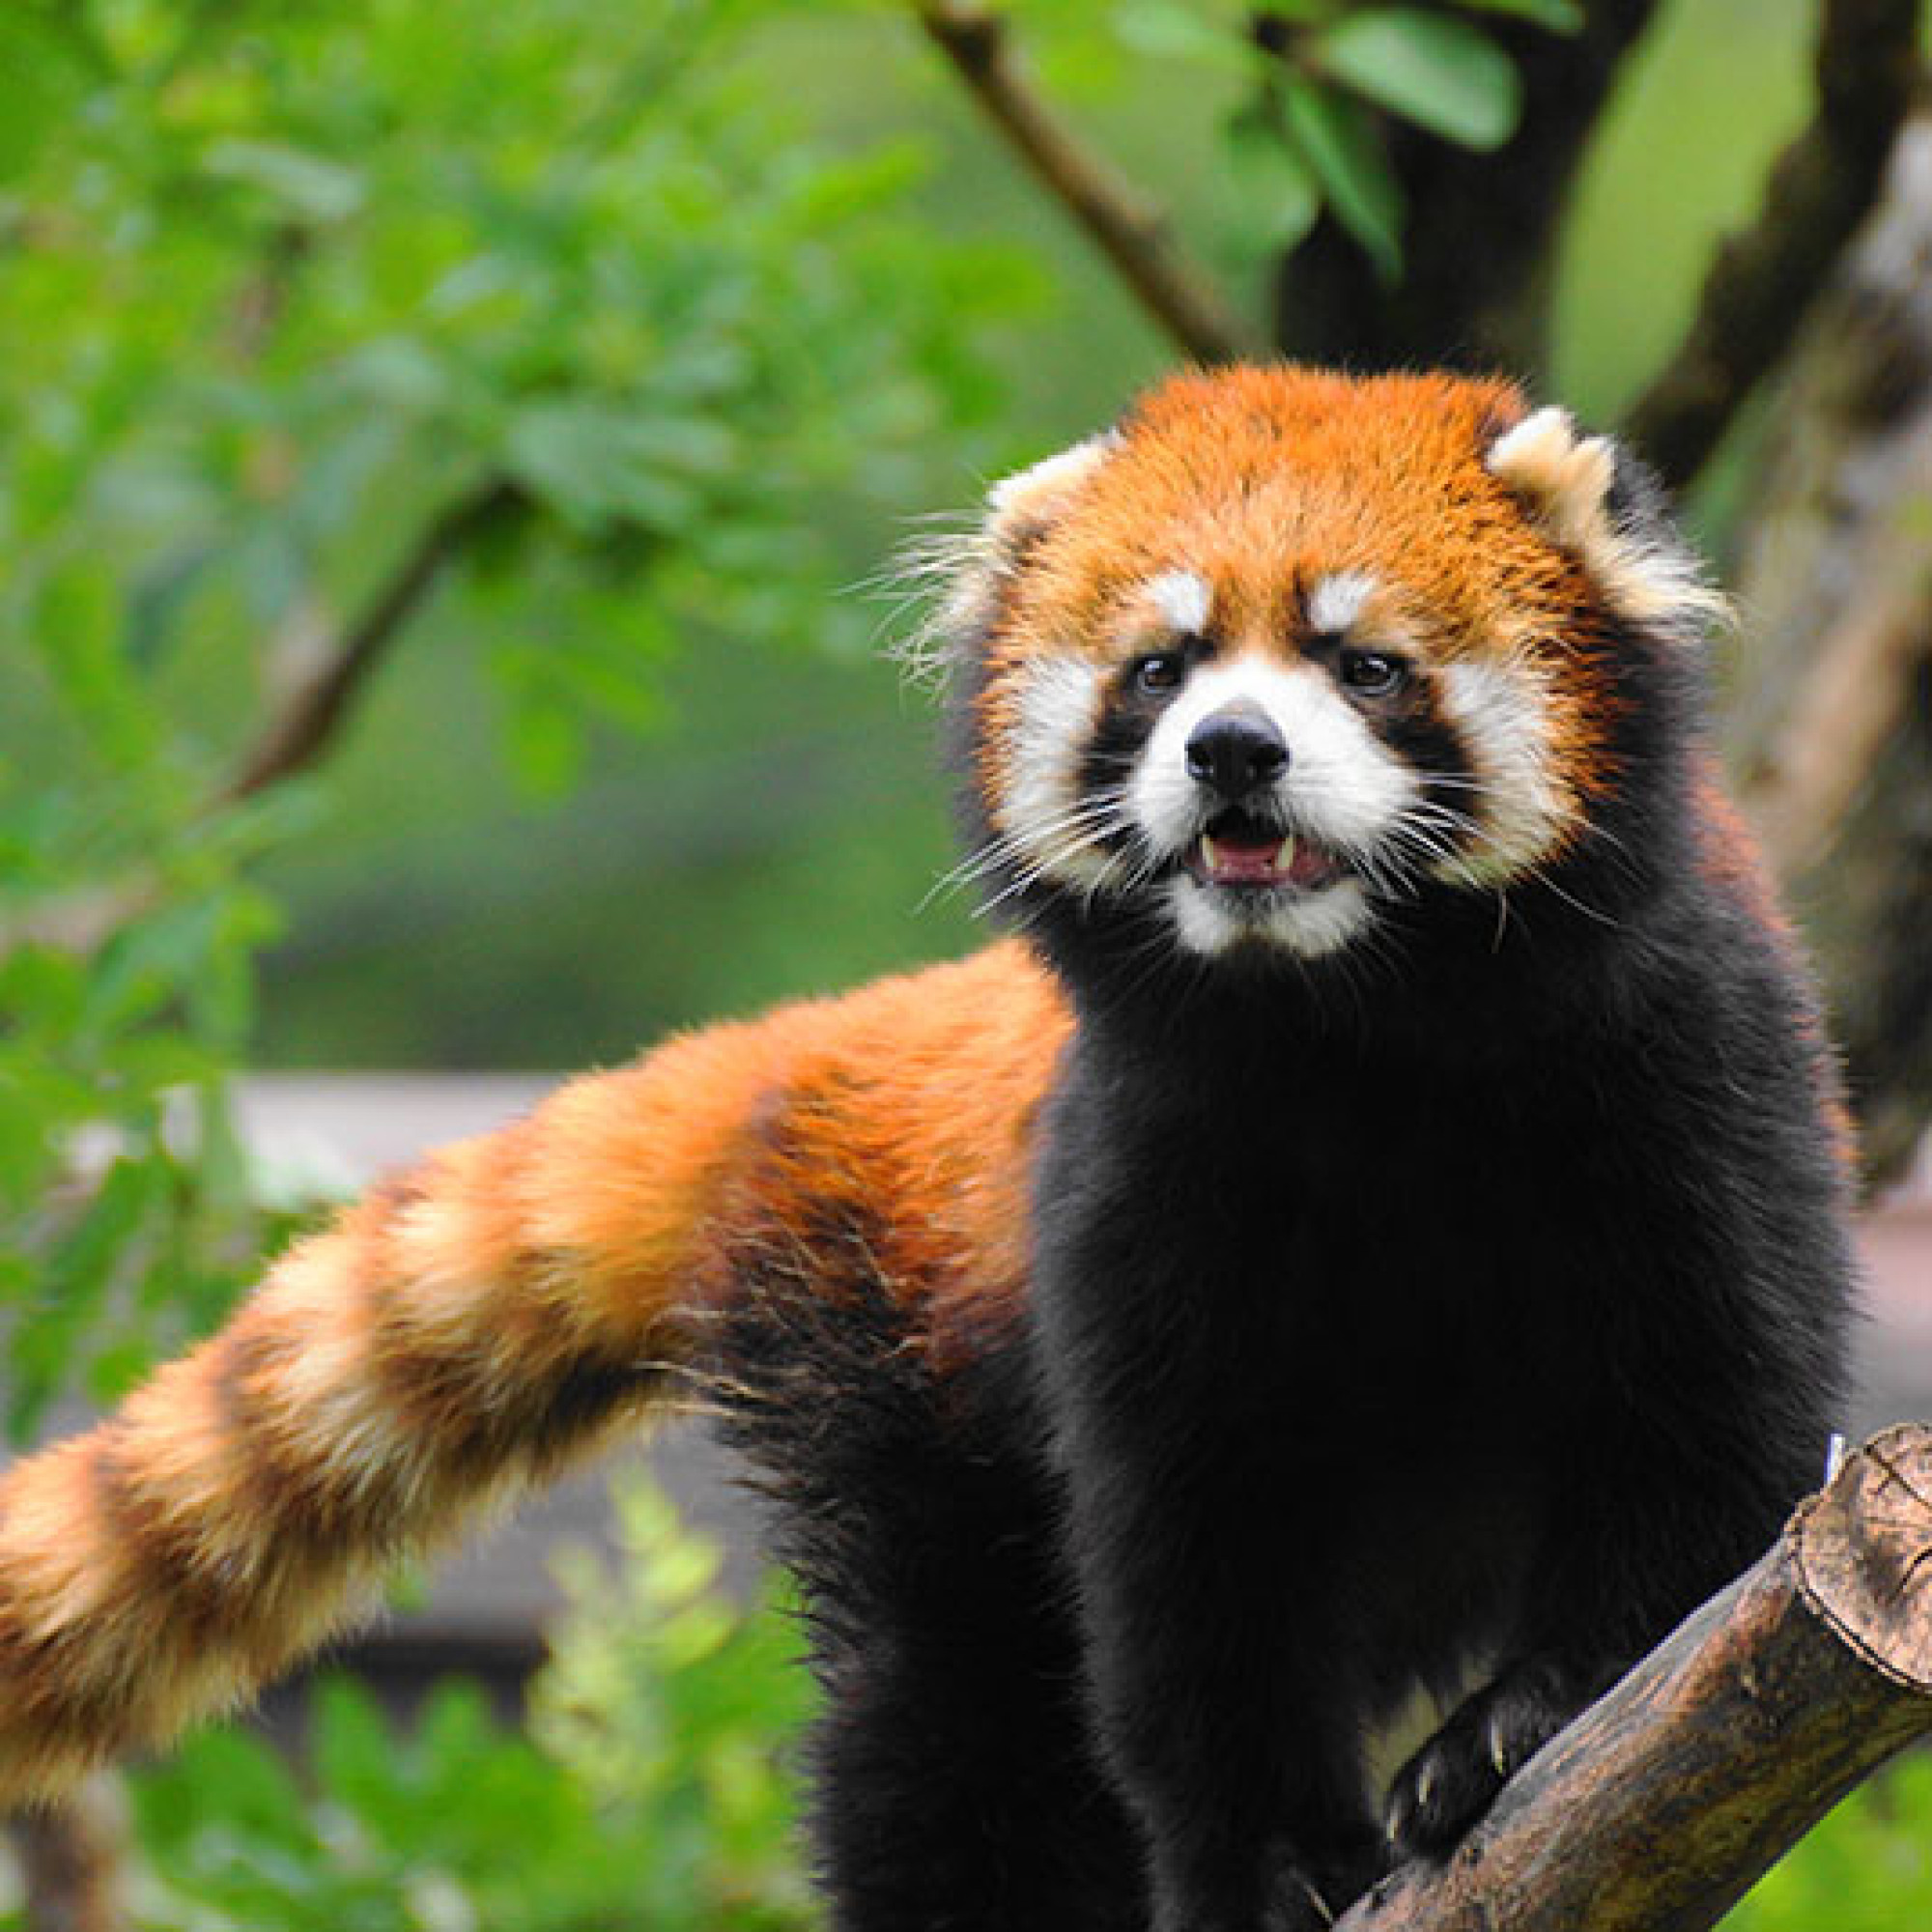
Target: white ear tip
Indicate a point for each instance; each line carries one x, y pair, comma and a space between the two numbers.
1524, 455
1047, 478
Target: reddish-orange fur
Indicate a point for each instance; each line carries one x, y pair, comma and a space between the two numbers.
1259, 480
472, 1323
468, 1325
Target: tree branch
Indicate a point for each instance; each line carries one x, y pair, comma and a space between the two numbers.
1820, 189
302, 728
1175, 291
1666, 1800
72, 1859
296, 735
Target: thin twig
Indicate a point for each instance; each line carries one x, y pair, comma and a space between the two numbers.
72, 1858
1758, 287
298, 734
1175, 291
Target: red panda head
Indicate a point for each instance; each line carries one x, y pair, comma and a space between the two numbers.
1287, 651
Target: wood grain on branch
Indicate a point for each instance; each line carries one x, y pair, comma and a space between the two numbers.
1133, 235
1665, 1802
1764, 277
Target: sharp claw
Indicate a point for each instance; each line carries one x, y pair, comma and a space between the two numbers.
1395, 1820
1323, 1908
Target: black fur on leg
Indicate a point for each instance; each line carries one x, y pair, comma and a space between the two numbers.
953, 1789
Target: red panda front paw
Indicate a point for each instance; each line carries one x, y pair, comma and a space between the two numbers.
1454, 1778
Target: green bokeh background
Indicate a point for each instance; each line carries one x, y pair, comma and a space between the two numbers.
780, 830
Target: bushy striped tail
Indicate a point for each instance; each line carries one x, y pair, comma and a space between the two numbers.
461, 1331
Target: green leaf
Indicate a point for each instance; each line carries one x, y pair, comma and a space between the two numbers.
1560, 17
1167, 30
77, 1278
74, 618
305, 185
1342, 145
1280, 195
1441, 73
597, 467
44, 84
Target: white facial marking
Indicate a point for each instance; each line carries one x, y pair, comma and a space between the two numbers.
1342, 786
1564, 480
1322, 922
1184, 600
1058, 705
1504, 718
1336, 601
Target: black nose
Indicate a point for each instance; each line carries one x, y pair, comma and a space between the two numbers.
1236, 751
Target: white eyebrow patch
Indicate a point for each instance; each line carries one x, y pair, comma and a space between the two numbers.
1336, 601
1182, 598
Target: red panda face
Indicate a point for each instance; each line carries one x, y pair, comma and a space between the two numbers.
1287, 649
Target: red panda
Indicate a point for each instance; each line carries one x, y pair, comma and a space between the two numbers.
1375, 1224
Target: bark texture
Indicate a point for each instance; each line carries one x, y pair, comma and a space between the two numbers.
1830, 704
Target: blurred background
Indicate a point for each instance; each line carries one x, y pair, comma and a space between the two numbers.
452, 464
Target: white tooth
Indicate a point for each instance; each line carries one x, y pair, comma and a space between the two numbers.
1284, 854
1209, 857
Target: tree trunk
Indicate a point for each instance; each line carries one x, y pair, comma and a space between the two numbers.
1831, 711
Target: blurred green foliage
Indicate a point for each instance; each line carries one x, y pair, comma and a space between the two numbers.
1867, 1869
650, 1790
285, 284
709, 298
713, 296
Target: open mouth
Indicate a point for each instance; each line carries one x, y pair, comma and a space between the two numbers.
1239, 853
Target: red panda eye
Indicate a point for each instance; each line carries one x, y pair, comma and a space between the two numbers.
1162, 671
1370, 673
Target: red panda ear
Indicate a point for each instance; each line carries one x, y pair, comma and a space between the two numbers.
1023, 506
969, 571
1587, 496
